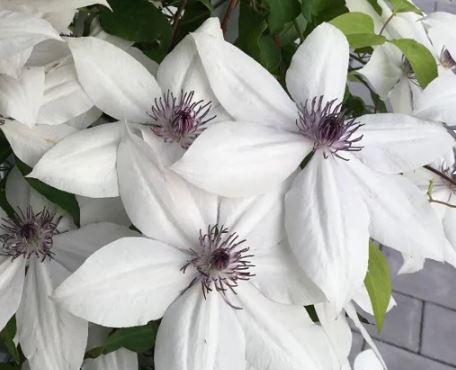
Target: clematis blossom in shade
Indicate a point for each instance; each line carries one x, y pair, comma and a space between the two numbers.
39, 248
349, 188
206, 265
176, 107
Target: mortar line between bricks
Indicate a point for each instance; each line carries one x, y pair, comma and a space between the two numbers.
425, 300
420, 343
453, 366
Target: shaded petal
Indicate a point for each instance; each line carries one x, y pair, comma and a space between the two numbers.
102, 210
12, 275
437, 101
319, 66
51, 338
396, 143
244, 88
200, 334
20, 31
21, 99
237, 159
74, 247
146, 275
289, 341
83, 163
29, 144
327, 226
116, 82
396, 208
439, 27
401, 96
13, 65
122, 359
384, 69
367, 360
160, 203
64, 97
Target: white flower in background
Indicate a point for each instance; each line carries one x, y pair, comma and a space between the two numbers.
350, 189
367, 360
205, 265
122, 359
388, 71
175, 107
39, 248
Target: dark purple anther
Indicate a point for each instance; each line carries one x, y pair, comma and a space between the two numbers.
326, 125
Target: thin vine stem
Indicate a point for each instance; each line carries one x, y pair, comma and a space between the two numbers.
440, 174
387, 22
177, 19
226, 17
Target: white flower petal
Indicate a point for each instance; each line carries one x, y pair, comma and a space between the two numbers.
200, 334
383, 71
146, 275
122, 359
396, 143
160, 203
362, 299
319, 67
288, 341
242, 159
11, 284
115, 82
64, 98
72, 248
439, 27
367, 360
244, 88
20, 31
83, 163
327, 227
21, 99
401, 96
412, 263
29, 144
437, 101
396, 209
40, 322
102, 210
13, 65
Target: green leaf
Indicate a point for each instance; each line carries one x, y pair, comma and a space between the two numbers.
254, 40
282, 12
421, 59
138, 21
378, 284
355, 22
9, 367
137, 339
401, 6
312, 313
5, 149
359, 29
374, 4
64, 200
7, 336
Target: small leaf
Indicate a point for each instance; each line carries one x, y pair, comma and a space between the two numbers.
362, 40
282, 12
7, 335
312, 313
378, 284
374, 4
421, 59
401, 6
137, 339
139, 22
64, 200
354, 22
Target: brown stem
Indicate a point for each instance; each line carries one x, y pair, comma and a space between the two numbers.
432, 200
387, 22
177, 19
440, 174
226, 17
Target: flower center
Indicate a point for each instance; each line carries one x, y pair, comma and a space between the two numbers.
180, 119
221, 261
446, 59
28, 234
328, 127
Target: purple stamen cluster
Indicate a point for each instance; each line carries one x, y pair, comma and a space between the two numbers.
327, 126
29, 234
180, 119
446, 59
221, 261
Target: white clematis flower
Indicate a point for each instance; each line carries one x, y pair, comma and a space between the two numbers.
206, 266
121, 359
350, 189
39, 248
388, 71
175, 107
